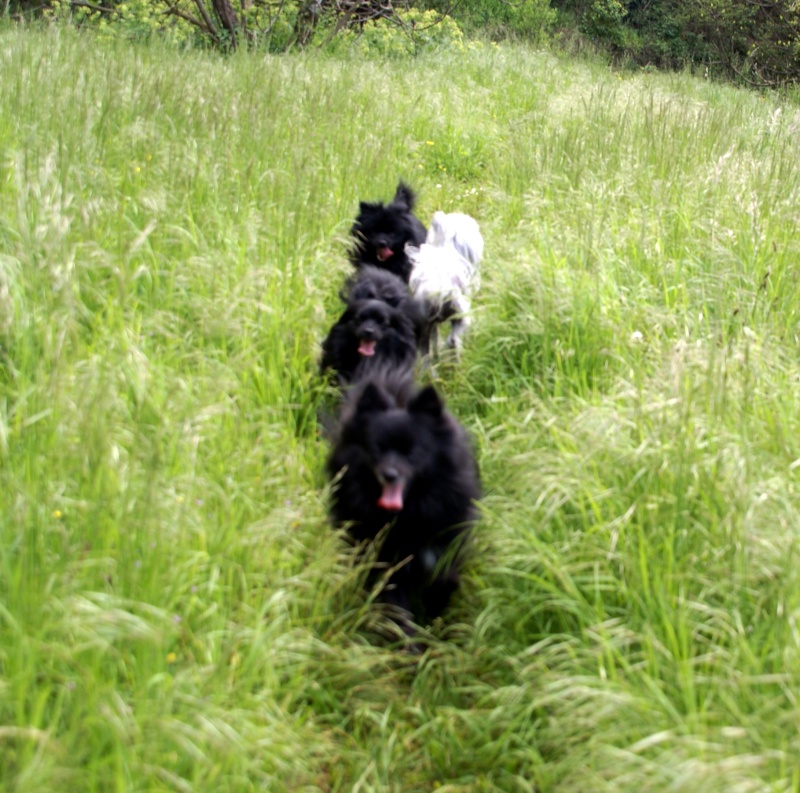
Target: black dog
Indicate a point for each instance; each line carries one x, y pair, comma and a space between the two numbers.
402, 460
382, 231
380, 326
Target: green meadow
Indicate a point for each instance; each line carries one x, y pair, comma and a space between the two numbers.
176, 613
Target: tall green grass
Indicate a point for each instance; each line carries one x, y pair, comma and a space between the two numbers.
176, 613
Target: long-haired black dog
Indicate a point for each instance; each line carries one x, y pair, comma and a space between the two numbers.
380, 326
381, 232
401, 460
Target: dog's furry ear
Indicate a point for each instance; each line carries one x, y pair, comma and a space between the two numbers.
404, 197
427, 402
372, 400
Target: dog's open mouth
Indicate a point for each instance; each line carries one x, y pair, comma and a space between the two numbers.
392, 497
367, 347
384, 253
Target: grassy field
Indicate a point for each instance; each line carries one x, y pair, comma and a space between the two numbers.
175, 612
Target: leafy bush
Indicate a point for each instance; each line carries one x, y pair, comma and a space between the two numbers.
665, 37
753, 42
267, 24
275, 25
757, 42
531, 20
407, 33
135, 19
604, 19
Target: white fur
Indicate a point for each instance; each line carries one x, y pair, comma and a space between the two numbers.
445, 269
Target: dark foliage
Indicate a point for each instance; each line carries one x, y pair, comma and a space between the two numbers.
756, 42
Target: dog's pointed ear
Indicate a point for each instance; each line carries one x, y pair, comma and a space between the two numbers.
404, 196
427, 402
372, 400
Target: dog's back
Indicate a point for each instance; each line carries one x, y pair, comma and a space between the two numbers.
459, 231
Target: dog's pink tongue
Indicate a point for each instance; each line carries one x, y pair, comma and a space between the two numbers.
367, 347
392, 497
384, 253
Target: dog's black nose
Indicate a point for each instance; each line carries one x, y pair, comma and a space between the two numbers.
389, 475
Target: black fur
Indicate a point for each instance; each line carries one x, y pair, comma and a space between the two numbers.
401, 459
375, 283
380, 326
381, 232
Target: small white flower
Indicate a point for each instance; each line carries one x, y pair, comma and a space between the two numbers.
748, 332
636, 337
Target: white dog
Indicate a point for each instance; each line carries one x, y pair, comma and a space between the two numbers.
445, 273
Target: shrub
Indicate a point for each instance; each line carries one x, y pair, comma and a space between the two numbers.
604, 19
532, 20
756, 42
753, 42
407, 33
267, 24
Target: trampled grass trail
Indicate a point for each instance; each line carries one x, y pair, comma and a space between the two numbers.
176, 613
